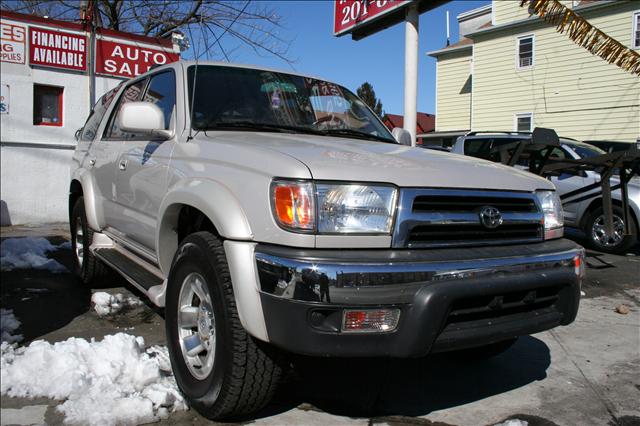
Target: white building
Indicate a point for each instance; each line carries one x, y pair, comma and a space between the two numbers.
46, 80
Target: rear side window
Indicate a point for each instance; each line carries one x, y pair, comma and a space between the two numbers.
484, 148
97, 113
132, 93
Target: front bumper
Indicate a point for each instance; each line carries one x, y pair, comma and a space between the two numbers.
448, 298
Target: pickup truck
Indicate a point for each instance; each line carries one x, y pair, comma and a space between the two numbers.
271, 213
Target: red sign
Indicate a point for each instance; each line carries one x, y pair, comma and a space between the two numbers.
57, 49
128, 60
349, 14
12, 39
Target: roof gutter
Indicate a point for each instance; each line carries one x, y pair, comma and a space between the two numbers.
436, 53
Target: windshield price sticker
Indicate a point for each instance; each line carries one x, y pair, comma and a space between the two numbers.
13, 39
351, 13
57, 49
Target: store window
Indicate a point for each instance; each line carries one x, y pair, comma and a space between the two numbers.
47, 105
525, 52
523, 122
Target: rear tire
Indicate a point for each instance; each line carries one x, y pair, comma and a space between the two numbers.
619, 243
88, 268
223, 371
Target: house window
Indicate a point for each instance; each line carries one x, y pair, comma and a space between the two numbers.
523, 122
47, 105
636, 30
525, 52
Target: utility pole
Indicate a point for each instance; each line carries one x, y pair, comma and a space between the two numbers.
411, 70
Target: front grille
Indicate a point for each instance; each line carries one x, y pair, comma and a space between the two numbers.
448, 203
444, 234
451, 218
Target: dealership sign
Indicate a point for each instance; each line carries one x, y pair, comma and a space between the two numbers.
12, 39
4, 99
57, 49
353, 14
129, 60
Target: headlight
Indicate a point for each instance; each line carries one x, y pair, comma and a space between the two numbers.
553, 216
353, 208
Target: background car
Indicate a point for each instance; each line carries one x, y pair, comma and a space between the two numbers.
586, 214
612, 146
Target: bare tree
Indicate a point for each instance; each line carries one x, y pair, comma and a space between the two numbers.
215, 29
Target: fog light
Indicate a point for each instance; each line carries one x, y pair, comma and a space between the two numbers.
370, 320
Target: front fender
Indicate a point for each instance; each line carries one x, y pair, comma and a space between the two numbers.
214, 200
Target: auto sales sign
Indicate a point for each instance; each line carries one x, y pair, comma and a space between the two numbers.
57, 49
129, 60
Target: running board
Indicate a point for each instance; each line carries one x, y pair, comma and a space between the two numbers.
131, 270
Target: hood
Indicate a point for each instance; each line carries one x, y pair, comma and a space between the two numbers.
342, 159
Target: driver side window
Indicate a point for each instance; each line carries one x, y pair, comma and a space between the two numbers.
132, 93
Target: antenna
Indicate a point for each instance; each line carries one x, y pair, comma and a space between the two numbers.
448, 34
195, 79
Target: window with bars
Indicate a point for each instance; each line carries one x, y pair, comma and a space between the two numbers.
525, 52
47, 105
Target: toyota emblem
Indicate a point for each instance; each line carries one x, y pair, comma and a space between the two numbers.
490, 217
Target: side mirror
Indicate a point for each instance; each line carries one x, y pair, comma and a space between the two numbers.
143, 117
402, 136
78, 134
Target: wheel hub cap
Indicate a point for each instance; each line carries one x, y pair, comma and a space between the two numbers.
196, 326
600, 235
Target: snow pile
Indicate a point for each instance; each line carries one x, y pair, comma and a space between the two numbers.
26, 253
513, 422
113, 381
8, 324
108, 304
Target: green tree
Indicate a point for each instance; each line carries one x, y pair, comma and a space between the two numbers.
368, 95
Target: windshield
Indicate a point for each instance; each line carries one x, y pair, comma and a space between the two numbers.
230, 98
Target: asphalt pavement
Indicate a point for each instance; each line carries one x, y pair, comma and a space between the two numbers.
587, 373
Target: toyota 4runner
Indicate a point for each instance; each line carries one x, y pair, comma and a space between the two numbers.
273, 213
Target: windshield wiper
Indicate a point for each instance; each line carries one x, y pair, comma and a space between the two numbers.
357, 134
266, 127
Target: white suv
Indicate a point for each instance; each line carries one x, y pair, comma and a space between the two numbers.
280, 215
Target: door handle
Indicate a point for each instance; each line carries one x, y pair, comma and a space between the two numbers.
122, 165
92, 162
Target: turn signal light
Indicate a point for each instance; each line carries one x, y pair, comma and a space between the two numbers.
293, 205
370, 320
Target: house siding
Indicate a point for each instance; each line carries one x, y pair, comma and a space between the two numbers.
453, 104
568, 89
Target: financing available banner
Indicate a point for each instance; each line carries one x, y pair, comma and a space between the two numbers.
57, 49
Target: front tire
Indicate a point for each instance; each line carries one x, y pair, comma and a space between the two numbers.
617, 243
223, 371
